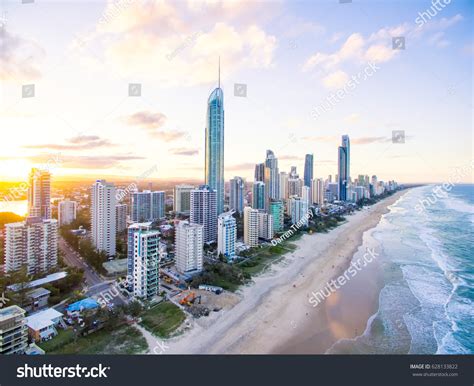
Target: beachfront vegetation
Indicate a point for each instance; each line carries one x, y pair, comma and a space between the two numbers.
163, 319
124, 340
220, 274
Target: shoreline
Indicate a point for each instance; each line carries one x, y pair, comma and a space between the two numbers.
274, 314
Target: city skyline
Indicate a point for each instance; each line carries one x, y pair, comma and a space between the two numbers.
94, 137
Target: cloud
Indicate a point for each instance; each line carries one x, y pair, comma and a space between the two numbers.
439, 40
19, 58
86, 162
146, 120
353, 118
240, 167
79, 142
368, 140
184, 151
169, 36
335, 80
289, 157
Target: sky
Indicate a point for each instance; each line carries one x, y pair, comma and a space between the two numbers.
294, 58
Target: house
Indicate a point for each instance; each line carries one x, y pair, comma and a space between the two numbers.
37, 299
42, 325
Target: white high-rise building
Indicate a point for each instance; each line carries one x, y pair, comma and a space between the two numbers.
284, 185
147, 206
32, 243
306, 195
251, 226
298, 210
189, 243
226, 235
103, 216
39, 194
265, 226
182, 199
318, 191
204, 211
66, 212
146, 259
120, 217
236, 197
13, 330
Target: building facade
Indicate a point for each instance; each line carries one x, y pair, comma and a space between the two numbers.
66, 212
265, 226
251, 227
226, 235
147, 206
146, 263
103, 226
13, 330
182, 199
120, 217
236, 196
33, 244
343, 169
39, 194
189, 243
204, 211
277, 210
258, 195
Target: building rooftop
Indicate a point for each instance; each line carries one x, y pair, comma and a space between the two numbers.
36, 283
42, 319
10, 312
38, 292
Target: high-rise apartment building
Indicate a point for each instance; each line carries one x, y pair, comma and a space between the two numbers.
13, 330
343, 162
251, 227
284, 186
120, 217
298, 211
33, 244
259, 172
131, 230
308, 169
258, 195
189, 243
214, 145
103, 216
204, 211
182, 199
145, 260
277, 211
147, 206
66, 212
265, 225
272, 179
236, 197
39, 194
226, 235
318, 191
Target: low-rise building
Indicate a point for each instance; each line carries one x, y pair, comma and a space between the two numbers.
42, 325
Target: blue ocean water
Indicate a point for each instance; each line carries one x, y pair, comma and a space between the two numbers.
426, 304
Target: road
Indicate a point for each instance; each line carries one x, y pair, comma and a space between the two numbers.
72, 258
96, 285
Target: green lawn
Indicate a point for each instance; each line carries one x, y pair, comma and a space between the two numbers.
124, 340
163, 319
264, 257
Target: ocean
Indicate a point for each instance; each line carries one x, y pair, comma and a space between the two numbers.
427, 269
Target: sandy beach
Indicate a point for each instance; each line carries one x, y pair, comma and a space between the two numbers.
274, 314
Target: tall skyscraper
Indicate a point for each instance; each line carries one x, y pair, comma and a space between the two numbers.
284, 186
182, 198
258, 195
236, 201
259, 172
204, 211
306, 195
32, 243
272, 179
214, 144
39, 194
145, 260
66, 212
343, 167
189, 242
120, 217
308, 170
277, 212
226, 235
147, 206
103, 226
251, 227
